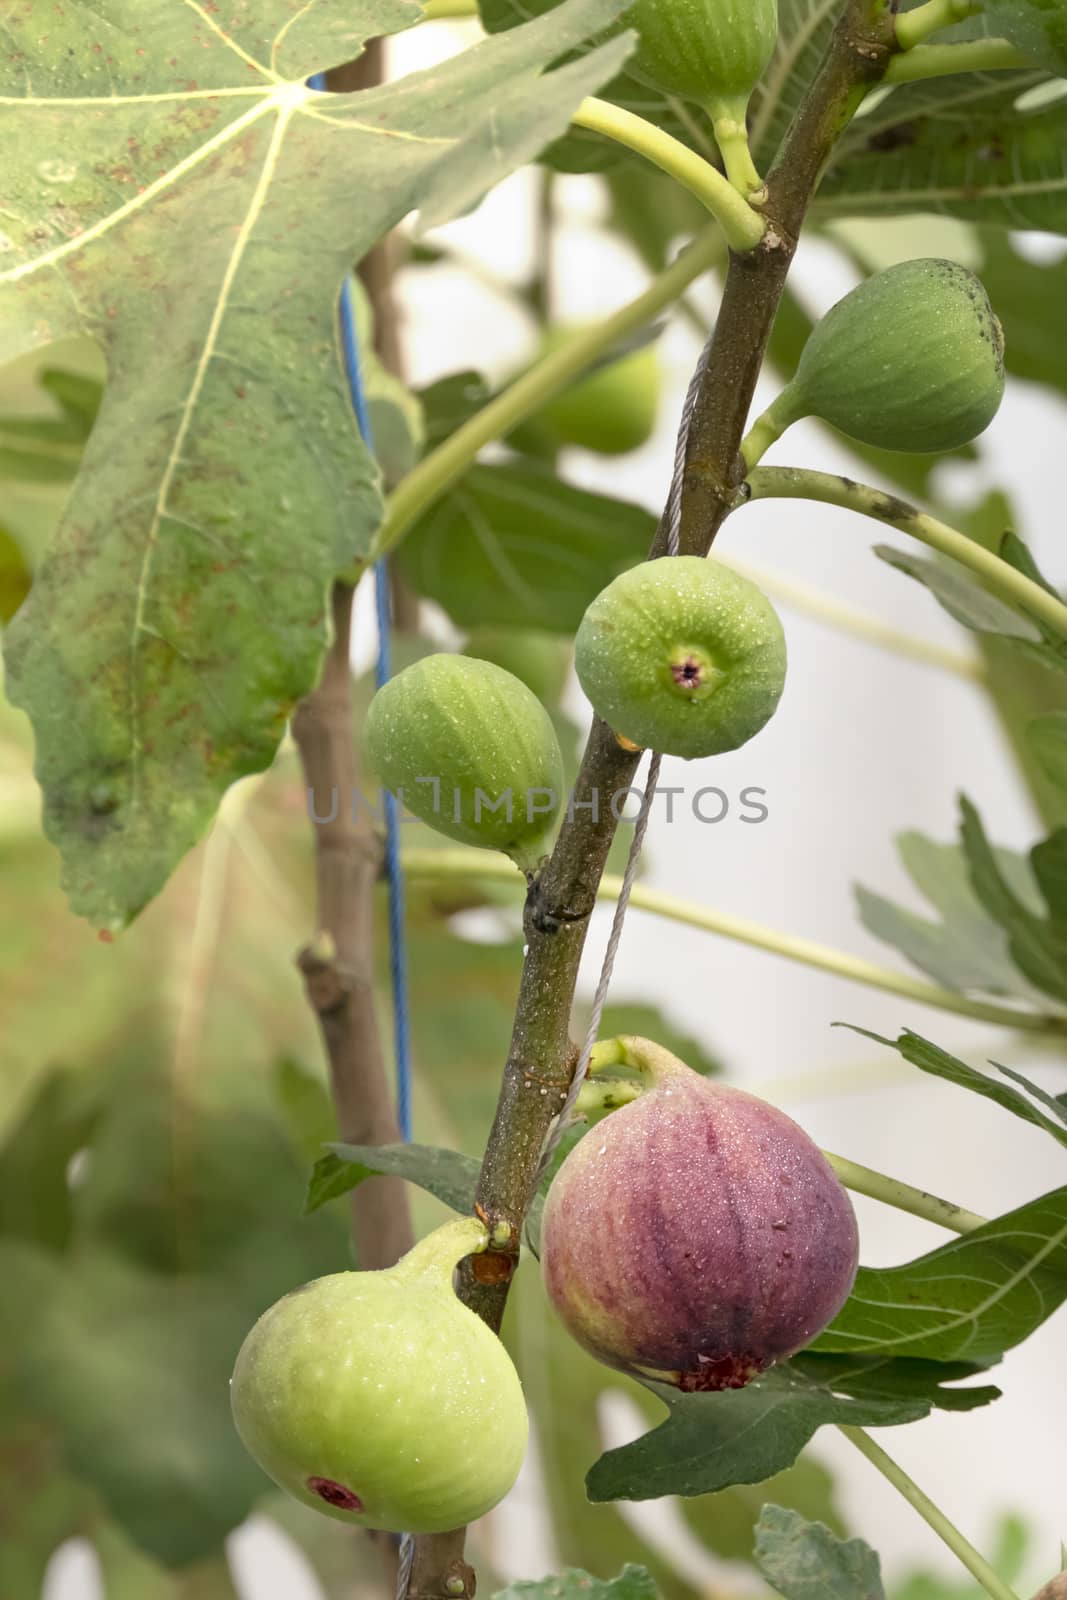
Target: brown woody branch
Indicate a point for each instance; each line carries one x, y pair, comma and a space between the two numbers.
541, 1057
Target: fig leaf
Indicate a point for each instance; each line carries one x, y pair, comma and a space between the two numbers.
175, 555
971, 1299
444, 1173
805, 1561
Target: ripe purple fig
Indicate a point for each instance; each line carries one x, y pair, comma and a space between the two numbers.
697, 1235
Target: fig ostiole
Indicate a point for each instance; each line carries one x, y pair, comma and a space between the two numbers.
697, 1235
380, 1399
682, 655
912, 359
472, 752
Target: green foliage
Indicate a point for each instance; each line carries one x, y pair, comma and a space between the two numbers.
633, 1583
972, 152
445, 1173
929, 1058
804, 1561
184, 518
712, 1441
1039, 27
157, 1110
514, 545
968, 1300
967, 948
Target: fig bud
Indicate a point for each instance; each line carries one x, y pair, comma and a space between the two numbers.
698, 1235
682, 655
912, 359
379, 1398
471, 751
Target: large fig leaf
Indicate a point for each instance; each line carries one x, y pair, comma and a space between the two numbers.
168, 176
969, 1300
985, 160
710, 1442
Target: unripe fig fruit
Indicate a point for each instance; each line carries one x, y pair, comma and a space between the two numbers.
471, 751
704, 50
613, 410
379, 1398
698, 1235
682, 655
912, 359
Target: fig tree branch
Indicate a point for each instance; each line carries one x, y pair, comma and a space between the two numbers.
976, 1564
431, 864
541, 1057
859, 54
338, 963
1004, 580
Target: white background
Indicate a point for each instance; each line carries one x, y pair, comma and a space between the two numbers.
866, 744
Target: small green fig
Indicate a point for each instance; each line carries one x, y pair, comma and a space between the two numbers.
682, 655
697, 1235
471, 751
711, 51
912, 359
703, 50
613, 410
379, 1398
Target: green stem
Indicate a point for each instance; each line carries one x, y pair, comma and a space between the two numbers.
765, 431
729, 121
858, 624
1012, 586
438, 471
915, 26
743, 227
459, 863
903, 1197
606, 1096
443, 10
947, 1531
942, 60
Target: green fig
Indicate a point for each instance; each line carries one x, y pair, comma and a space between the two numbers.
682, 655
611, 411
912, 359
703, 49
711, 51
469, 750
380, 1399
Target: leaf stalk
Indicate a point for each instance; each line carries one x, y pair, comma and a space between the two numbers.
932, 1515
